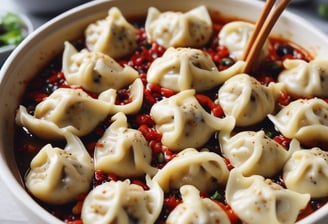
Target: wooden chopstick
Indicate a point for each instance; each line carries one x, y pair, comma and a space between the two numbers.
263, 27
259, 24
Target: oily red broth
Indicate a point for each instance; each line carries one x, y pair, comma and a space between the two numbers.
51, 77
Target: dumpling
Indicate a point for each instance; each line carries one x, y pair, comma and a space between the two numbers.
186, 68
57, 176
195, 209
204, 170
307, 171
176, 29
122, 203
123, 151
257, 200
254, 153
235, 35
95, 71
247, 100
136, 93
305, 79
305, 120
113, 35
65, 109
184, 123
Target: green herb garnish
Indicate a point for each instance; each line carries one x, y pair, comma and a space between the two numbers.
323, 10
11, 30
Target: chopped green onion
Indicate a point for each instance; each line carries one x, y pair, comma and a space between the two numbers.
216, 196
160, 157
269, 134
323, 10
11, 30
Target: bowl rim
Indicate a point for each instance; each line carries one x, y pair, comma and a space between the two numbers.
6, 175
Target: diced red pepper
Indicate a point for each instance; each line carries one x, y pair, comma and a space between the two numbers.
284, 98
171, 202
282, 140
145, 119
228, 164
150, 133
231, 214
141, 183
156, 146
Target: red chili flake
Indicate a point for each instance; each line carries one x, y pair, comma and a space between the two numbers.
156, 146
208, 104
282, 140
171, 202
284, 98
144, 119
150, 133
156, 51
123, 97
143, 78
217, 27
168, 154
57, 77
99, 175
223, 52
37, 96
205, 100
149, 97
112, 177
140, 183
228, 164
154, 87
100, 145
228, 210
167, 92
217, 111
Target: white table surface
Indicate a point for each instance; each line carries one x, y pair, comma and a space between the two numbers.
8, 212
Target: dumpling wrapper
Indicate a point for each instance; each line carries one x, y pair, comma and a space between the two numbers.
177, 29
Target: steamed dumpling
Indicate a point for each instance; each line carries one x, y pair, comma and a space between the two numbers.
305, 79
123, 151
307, 171
113, 35
186, 68
195, 209
247, 100
75, 111
176, 29
184, 123
57, 176
204, 170
121, 202
95, 71
257, 200
65, 109
254, 153
235, 35
305, 120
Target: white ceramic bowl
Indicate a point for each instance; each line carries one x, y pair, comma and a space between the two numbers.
27, 26
49, 39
